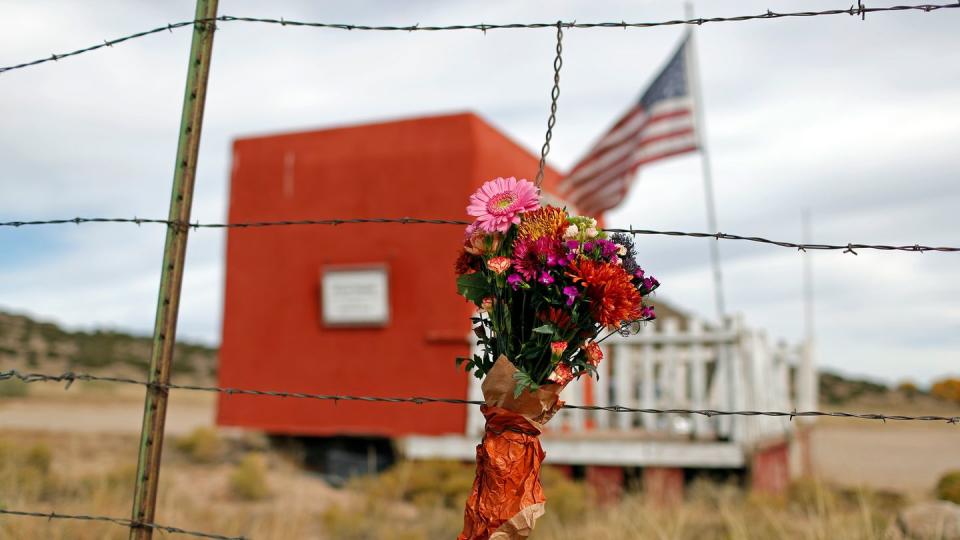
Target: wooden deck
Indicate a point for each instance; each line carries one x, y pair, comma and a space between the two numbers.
589, 450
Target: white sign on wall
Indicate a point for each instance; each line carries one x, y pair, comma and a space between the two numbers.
355, 296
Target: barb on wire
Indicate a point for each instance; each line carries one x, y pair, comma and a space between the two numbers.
858, 10
845, 248
119, 521
69, 377
554, 95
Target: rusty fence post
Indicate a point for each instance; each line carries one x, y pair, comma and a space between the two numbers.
171, 277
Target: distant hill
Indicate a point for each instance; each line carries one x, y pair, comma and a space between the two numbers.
30, 345
837, 390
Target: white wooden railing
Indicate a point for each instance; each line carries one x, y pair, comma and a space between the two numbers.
685, 364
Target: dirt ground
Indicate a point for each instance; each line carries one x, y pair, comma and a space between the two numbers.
900, 456
99, 409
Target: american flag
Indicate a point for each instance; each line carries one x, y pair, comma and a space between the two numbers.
661, 124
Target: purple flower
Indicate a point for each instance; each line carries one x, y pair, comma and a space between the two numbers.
572, 245
607, 248
571, 293
546, 278
514, 281
531, 256
646, 312
650, 283
587, 247
639, 273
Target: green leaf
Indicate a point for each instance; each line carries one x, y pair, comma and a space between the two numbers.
523, 381
474, 287
545, 329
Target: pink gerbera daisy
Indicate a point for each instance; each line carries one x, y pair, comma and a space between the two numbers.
499, 203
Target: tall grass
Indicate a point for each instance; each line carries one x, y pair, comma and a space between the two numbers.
412, 501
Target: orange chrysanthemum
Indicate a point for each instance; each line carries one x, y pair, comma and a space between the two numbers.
545, 221
614, 298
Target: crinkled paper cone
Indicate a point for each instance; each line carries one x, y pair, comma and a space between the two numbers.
507, 498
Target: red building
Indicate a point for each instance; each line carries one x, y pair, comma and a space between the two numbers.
372, 309
361, 309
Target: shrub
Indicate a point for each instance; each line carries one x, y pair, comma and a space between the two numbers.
946, 389
249, 479
908, 389
25, 472
203, 445
38, 457
424, 483
6, 455
948, 488
13, 388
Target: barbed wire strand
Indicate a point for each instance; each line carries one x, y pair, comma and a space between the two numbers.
846, 248
120, 521
554, 95
70, 377
858, 10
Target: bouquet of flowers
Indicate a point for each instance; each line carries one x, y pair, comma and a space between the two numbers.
546, 284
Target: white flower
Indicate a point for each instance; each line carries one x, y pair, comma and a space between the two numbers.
592, 231
571, 232
621, 250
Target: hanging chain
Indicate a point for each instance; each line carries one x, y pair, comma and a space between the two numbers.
554, 94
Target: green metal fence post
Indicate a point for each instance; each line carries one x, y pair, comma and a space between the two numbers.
171, 277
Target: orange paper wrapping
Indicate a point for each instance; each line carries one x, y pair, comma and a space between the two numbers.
507, 498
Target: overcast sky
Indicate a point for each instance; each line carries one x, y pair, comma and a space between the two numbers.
854, 120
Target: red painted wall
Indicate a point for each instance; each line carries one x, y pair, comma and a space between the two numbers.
770, 469
273, 337
663, 485
606, 483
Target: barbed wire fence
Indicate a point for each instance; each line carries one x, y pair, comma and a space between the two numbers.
849, 247
119, 521
157, 386
858, 10
69, 377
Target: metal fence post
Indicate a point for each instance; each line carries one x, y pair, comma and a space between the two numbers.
171, 277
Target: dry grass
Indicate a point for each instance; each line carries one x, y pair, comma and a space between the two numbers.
93, 474
391, 508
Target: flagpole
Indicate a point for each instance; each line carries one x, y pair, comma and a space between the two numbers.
807, 394
693, 71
